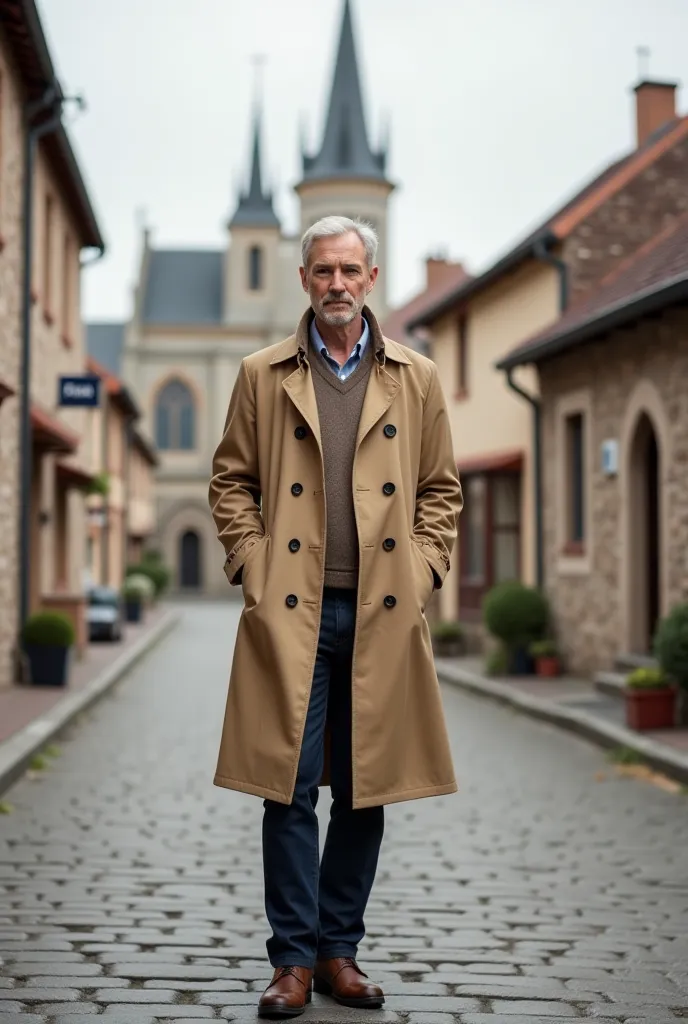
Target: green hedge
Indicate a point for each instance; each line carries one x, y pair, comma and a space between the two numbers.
671, 644
49, 629
515, 614
152, 566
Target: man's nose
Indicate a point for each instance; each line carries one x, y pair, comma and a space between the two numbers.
337, 284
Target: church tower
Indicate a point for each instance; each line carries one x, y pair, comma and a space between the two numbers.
251, 270
346, 176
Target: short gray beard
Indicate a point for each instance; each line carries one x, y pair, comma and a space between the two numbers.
339, 319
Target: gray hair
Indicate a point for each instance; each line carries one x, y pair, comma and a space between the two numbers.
333, 227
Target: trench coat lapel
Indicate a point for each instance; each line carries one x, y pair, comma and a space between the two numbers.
299, 388
381, 391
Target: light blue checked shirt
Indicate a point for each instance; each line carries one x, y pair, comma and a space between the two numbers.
354, 359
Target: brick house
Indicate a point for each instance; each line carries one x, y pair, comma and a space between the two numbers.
613, 376
494, 417
64, 224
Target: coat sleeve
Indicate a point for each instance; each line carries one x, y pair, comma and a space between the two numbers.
438, 496
234, 493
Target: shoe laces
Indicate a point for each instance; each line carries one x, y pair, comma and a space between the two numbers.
349, 961
288, 971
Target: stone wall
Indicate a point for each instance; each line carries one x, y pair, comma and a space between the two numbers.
628, 219
653, 358
11, 276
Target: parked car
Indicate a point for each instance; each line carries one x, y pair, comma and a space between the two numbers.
104, 614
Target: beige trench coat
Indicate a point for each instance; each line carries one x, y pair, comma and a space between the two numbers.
267, 489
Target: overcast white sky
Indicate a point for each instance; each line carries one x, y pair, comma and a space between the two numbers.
498, 108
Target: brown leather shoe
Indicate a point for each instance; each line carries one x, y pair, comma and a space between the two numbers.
342, 979
287, 993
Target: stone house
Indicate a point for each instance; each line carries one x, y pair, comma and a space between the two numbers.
613, 384
197, 313
495, 416
64, 224
122, 519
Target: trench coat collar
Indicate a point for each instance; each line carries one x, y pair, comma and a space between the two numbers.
296, 347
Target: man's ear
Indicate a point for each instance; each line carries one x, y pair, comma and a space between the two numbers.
304, 278
373, 278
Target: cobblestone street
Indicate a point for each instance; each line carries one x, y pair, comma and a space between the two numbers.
130, 886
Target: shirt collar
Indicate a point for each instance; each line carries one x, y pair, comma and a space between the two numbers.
321, 347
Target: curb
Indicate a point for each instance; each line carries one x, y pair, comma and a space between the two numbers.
605, 734
17, 751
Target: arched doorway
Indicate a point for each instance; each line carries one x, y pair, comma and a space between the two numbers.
645, 546
190, 561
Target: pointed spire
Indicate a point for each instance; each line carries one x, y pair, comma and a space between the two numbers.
345, 150
255, 206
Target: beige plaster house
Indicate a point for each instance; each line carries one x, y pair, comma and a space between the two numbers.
496, 417
121, 519
63, 225
198, 313
613, 383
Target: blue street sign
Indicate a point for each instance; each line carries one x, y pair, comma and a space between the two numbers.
83, 391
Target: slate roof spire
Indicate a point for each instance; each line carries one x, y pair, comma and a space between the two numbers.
345, 150
255, 207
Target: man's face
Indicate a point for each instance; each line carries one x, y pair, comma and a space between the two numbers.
337, 278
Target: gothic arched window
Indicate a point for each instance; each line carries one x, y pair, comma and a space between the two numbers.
175, 416
255, 268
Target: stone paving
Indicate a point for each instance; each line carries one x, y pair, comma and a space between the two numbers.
548, 889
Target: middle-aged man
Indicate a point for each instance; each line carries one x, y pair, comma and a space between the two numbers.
336, 497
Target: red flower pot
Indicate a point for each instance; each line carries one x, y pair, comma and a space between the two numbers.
654, 708
548, 667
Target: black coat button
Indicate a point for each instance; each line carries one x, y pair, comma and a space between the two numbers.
390, 601
292, 601
300, 433
294, 545
296, 489
389, 544
390, 430
388, 489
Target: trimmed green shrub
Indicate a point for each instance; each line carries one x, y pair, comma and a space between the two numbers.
157, 573
543, 649
515, 614
142, 584
671, 644
134, 590
447, 631
49, 629
647, 679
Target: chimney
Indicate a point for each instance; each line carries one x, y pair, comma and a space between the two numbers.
438, 269
655, 105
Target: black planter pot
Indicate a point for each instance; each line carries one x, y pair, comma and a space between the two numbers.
133, 610
48, 665
520, 662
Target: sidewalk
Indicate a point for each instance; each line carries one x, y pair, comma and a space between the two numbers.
30, 716
575, 705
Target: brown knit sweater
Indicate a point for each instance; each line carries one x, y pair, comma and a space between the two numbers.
339, 410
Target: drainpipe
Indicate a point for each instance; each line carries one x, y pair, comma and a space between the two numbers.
541, 251
51, 102
536, 406
544, 254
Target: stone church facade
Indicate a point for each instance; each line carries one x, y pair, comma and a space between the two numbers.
198, 313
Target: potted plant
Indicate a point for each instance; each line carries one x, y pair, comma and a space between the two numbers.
152, 566
134, 596
517, 615
47, 639
650, 700
671, 651
546, 657
447, 639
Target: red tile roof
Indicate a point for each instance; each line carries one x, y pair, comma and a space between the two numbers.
559, 225
660, 264
396, 324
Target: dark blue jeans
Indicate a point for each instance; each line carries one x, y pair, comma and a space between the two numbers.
316, 909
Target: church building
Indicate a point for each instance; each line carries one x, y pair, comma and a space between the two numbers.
197, 313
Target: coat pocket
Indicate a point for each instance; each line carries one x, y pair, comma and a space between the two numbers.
255, 566
425, 578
